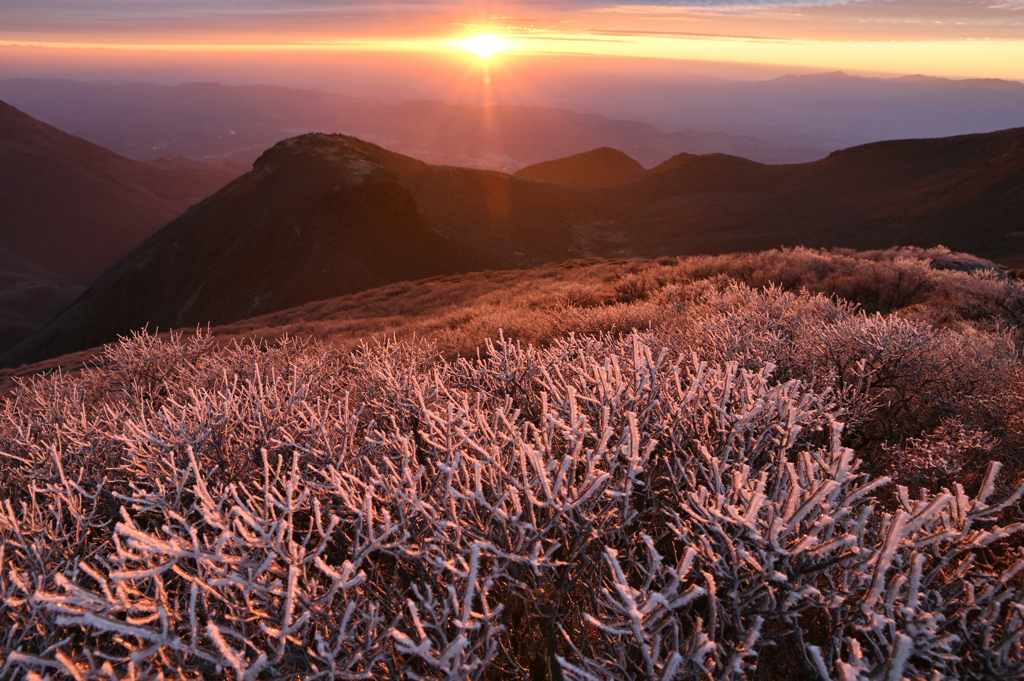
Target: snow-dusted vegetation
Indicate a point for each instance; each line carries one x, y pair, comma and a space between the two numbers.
770, 484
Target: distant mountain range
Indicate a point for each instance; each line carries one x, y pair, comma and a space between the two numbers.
821, 110
214, 122
69, 209
321, 216
651, 117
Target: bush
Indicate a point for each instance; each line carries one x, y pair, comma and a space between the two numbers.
677, 503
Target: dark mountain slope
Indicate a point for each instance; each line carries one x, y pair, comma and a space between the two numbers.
322, 216
964, 192
75, 208
29, 296
596, 168
319, 216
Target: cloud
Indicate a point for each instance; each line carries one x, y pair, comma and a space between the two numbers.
300, 20
684, 34
177, 8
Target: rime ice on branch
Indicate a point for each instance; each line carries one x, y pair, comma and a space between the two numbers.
599, 509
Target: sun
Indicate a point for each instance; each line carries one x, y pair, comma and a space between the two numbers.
484, 45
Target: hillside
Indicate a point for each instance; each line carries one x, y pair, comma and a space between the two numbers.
535, 305
321, 216
708, 467
596, 168
74, 208
29, 296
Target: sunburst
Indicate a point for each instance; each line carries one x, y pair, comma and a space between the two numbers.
484, 45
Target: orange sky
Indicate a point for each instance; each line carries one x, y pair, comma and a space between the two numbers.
958, 38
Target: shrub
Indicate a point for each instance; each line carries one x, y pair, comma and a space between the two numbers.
602, 507
674, 469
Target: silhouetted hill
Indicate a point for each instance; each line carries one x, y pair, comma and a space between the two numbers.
318, 217
75, 208
963, 192
595, 168
321, 216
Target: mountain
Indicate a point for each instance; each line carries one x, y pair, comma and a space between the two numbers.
566, 110
74, 208
321, 216
507, 137
69, 209
210, 121
595, 168
819, 110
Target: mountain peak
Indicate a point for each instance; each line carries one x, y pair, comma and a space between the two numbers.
349, 156
596, 168
318, 143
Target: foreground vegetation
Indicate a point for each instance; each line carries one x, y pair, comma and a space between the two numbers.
757, 483
537, 305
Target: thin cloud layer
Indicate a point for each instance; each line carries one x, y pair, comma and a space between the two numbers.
964, 18
941, 37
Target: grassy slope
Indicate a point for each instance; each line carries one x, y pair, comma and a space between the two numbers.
590, 296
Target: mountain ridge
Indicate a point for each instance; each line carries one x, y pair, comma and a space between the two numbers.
596, 168
326, 215
98, 204
71, 209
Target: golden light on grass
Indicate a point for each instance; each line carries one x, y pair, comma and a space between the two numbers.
484, 45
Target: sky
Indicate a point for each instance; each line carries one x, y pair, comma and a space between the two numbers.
953, 38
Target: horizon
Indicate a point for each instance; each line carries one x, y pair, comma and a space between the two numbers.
302, 42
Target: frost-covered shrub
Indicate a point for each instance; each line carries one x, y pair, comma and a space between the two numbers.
599, 508
879, 281
913, 374
895, 377
946, 452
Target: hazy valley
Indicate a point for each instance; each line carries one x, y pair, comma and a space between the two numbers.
789, 119
213, 122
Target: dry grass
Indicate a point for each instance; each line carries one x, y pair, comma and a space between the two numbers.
594, 296
597, 296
